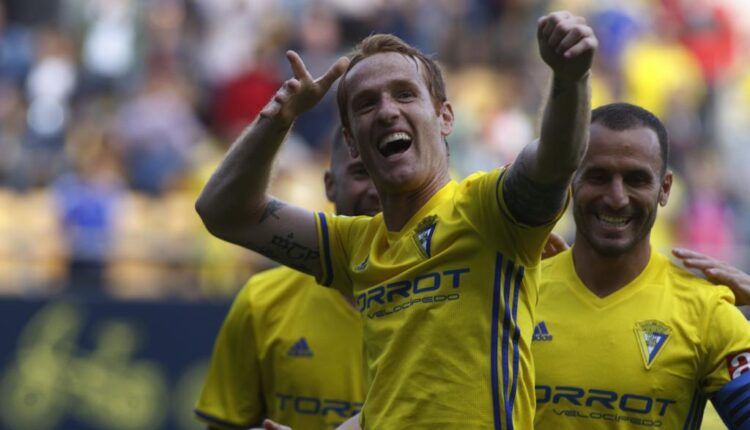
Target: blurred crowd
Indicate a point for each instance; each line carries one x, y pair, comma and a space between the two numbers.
114, 112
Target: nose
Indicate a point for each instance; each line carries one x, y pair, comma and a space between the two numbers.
617, 196
388, 110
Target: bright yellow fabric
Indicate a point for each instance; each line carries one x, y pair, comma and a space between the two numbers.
289, 350
658, 74
591, 371
448, 318
712, 420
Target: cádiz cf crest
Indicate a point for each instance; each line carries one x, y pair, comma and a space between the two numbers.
651, 335
423, 235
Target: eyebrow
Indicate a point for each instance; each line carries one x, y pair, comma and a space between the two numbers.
394, 83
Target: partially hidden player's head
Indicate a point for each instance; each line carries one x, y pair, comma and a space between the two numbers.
348, 185
395, 113
622, 180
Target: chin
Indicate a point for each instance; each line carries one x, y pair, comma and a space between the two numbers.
402, 179
609, 248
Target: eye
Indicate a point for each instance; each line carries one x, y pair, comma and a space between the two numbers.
405, 95
359, 173
364, 104
596, 177
638, 179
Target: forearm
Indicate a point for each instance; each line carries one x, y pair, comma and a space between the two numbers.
237, 190
564, 131
536, 184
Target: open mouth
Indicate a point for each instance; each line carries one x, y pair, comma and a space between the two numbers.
394, 143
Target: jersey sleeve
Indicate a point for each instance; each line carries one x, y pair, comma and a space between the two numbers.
727, 344
231, 397
483, 203
338, 235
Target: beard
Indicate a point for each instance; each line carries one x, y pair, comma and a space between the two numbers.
611, 248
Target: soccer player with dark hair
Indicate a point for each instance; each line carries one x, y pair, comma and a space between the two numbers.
446, 276
289, 351
625, 338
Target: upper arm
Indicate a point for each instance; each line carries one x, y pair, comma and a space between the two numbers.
531, 197
732, 402
282, 232
727, 343
727, 380
481, 200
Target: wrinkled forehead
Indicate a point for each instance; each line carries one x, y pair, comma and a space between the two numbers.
378, 69
632, 148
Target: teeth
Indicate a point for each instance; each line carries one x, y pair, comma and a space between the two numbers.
399, 135
614, 220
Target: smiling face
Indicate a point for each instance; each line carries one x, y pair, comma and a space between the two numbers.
348, 184
617, 190
394, 125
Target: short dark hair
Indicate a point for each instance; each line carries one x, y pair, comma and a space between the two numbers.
625, 116
380, 43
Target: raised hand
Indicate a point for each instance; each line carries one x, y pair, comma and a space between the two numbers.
718, 272
301, 92
566, 44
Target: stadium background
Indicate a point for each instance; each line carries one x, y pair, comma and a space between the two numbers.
113, 113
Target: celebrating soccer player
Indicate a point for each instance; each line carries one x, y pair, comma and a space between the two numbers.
446, 276
289, 351
625, 338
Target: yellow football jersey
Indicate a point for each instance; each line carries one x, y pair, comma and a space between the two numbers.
288, 350
447, 304
648, 355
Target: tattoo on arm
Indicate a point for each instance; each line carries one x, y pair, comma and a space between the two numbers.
290, 252
530, 202
294, 250
271, 208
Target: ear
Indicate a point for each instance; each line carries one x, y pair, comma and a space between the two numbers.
446, 119
330, 185
353, 151
666, 187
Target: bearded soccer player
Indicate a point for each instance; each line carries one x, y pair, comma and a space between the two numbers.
446, 276
288, 350
624, 337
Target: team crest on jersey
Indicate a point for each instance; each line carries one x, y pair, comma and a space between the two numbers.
423, 235
652, 335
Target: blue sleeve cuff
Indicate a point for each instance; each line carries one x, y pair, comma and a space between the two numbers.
327, 278
732, 403
217, 422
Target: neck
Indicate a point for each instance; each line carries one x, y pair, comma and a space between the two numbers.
399, 208
604, 275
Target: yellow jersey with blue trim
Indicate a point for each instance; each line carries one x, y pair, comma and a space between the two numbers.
288, 350
646, 356
447, 304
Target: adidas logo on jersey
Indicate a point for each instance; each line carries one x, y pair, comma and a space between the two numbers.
541, 334
300, 349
